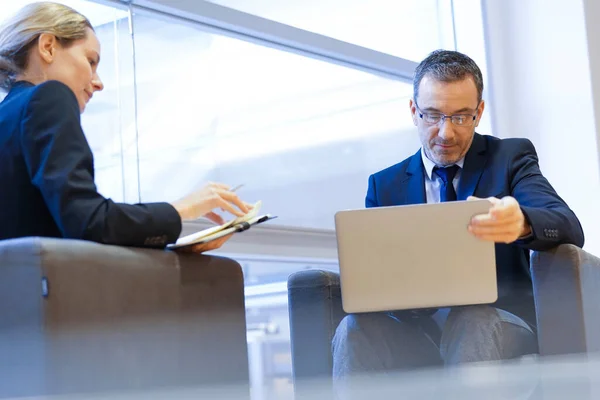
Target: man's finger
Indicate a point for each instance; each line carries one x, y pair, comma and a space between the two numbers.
495, 201
504, 212
508, 203
497, 238
510, 211
490, 220
492, 200
512, 229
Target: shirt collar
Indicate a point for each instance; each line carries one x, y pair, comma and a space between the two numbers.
429, 165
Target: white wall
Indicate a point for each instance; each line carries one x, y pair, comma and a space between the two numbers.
541, 88
592, 12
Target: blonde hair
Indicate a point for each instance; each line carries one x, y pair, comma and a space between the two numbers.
19, 35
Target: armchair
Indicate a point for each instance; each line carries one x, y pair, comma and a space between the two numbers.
566, 283
83, 317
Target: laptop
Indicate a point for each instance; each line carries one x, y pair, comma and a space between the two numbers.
414, 256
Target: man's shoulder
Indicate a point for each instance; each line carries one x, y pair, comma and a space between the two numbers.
508, 145
395, 169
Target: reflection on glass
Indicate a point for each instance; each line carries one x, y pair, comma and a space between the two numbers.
303, 135
111, 113
409, 29
267, 319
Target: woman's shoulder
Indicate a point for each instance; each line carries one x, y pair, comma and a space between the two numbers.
52, 94
49, 96
48, 104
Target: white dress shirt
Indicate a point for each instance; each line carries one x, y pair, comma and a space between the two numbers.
434, 182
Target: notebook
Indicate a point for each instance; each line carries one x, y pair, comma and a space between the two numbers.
238, 224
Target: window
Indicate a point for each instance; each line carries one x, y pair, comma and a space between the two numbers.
409, 29
303, 135
112, 112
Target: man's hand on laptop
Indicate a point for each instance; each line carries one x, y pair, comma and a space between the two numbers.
504, 223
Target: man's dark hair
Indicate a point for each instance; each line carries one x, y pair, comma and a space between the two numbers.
448, 66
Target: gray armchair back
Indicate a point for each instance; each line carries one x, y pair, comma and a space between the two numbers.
566, 283
77, 316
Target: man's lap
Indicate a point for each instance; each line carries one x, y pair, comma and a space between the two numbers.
391, 341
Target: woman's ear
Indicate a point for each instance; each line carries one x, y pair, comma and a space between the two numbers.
46, 47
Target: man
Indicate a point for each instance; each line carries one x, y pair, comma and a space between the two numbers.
455, 163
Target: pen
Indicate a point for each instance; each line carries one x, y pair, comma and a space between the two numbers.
237, 187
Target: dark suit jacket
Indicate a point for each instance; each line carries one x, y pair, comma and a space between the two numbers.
494, 167
47, 177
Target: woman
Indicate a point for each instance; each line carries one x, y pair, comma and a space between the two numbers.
49, 56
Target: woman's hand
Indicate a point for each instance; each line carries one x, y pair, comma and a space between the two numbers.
203, 247
202, 203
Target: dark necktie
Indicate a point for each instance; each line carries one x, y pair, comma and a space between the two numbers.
447, 192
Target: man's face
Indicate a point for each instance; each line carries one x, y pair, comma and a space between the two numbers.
445, 142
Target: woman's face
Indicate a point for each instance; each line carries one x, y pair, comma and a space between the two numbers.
76, 66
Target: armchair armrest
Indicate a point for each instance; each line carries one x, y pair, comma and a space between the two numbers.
315, 309
78, 316
566, 285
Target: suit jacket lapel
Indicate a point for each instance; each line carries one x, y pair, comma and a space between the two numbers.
475, 160
414, 184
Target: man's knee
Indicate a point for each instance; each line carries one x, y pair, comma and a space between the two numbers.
478, 315
484, 333
366, 332
356, 345
487, 317
354, 326
349, 323
349, 326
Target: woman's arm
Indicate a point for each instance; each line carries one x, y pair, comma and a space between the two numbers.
60, 164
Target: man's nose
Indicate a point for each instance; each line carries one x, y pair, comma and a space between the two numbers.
445, 129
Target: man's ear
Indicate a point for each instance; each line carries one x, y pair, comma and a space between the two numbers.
479, 112
47, 45
413, 111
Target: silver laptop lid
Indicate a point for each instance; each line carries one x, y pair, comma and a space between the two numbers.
416, 256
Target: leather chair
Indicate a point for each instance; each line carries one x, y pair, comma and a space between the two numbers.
566, 285
81, 317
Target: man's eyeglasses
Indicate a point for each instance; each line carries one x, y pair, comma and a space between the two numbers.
436, 118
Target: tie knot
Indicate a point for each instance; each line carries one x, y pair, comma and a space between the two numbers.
447, 174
